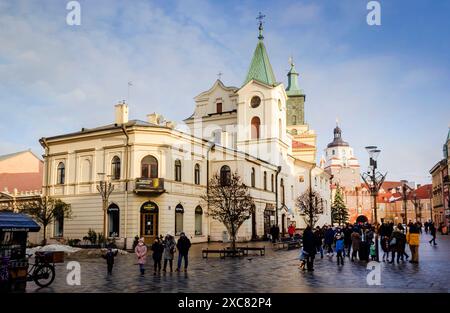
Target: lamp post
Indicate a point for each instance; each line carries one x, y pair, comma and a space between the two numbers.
105, 188
405, 189
373, 181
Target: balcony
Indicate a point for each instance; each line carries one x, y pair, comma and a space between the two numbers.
153, 186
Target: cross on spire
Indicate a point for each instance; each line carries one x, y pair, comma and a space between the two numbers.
219, 75
260, 18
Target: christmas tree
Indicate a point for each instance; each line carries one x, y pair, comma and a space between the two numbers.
339, 212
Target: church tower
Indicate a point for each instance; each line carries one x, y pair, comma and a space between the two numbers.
296, 99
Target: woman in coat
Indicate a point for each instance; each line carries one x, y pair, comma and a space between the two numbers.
141, 253
356, 241
169, 251
398, 243
413, 239
309, 247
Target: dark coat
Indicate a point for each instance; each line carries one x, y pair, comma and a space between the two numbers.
329, 236
308, 242
158, 250
348, 236
109, 256
318, 237
183, 244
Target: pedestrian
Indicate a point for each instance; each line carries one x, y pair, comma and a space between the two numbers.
309, 247
169, 251
426, 224
157, 249
373, 251
356, 241
291, 230
348, 239
318, 239
397, 243
272, 233
183, 246
141, 253
385, 247
328, 241
340, 249
109, 257
433, 233
302, 258
413, 239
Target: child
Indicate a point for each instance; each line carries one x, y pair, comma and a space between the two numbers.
157, 249
141, 253
109, 257
385, 247
373, 252
302, 257
340, 249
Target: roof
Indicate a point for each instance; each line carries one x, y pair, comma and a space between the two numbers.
260, 68
292, 88
298, 144
10, 221
11, 155
391, 184
337, 140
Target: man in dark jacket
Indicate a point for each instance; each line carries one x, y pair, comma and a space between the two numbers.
318, 238
348, 238
158, 250
328, 241
432, 233
183, 246
309, 247
109, 257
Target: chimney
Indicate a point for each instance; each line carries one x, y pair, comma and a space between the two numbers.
155, 118
121, 113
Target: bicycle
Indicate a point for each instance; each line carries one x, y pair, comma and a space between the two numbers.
42, 271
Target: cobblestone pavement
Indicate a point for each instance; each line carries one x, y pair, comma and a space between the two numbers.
277, 271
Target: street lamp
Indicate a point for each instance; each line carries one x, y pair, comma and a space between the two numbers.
105, 188
405, 189
373, 181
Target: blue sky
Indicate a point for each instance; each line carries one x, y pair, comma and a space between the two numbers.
388, 84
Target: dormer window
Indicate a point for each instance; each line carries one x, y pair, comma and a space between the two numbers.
219, 107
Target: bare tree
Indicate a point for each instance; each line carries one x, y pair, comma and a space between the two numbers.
47, 209
229, 202
310, 205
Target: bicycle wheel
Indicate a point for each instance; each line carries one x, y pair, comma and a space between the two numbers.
44, 275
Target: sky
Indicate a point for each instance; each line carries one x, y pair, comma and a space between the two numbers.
388, 85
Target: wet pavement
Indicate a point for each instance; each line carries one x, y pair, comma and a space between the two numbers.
277, 271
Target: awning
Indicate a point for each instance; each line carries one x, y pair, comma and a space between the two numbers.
16, 222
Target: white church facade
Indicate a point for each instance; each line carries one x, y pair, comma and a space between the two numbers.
160, 170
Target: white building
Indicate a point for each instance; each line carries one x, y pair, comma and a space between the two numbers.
159, 171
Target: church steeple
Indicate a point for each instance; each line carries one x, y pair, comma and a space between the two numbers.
260, 68
293, 89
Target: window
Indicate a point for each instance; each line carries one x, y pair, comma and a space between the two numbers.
219, 107
253, 177
255, 124
216, 136
265, 180
255, 102
292, 192
86, 170
225, 175
113, 220
149, 167
115, 168
271, 183
333, 152
280, 128
282, 192
197, 174
179, 212
177, 170
294, 120
301, 179
59, 225
198, 220
61, 173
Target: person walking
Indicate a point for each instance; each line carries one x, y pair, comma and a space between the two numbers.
158, 250
433, 233
141, 253
348, 239
328, 241
413, 239
356, 241
309, 247
109, 257
183, 246
169, 251
397, 243
426, 224
318, 241
385, 247
340, 249
291, 231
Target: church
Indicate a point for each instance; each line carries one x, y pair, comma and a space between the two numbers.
159, 170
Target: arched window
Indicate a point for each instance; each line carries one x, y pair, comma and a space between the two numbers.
198, 220
265, 180
179, 213
149, 167
113, 220
271, 183
282, 191
225, 175
115, 168
253, 178
61, 174
177, 170
255, 124
59, 225
294, 120
280, 128
86, 171
197, 174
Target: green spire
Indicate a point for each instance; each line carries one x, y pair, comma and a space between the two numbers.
292, 88
260, 68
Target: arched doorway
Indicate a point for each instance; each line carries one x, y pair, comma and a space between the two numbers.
149, 221
362, 219
113, 220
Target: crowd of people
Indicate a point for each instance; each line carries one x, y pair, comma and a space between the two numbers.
356, 241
